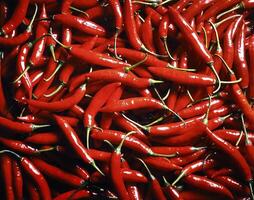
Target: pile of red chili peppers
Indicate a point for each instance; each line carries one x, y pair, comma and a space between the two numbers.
126, 99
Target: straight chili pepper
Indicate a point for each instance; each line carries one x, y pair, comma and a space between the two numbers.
80, 24
17, 180
6, 167
57, 173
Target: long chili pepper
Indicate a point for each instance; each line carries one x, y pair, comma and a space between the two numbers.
6, 171
235, 155
161, 164
57, 173
17, 16
131, 142
94, 106
230, 183
136, 56
216, 8
200, 108
75, 142
207, 185
155, 185
115, 171
93, 57
34, 173
249, 147
192, 38
239, 98
46, 138
39, 47
17, 180
80, 24
196, 8
221, 172
251, 68
19, 127
133, 103
18, 146
74, 194
60, 105
146, 32
195, 167
184, 150
188, 78
112, 75
245, 4
172, 193
66, 30
240, 62
32, 190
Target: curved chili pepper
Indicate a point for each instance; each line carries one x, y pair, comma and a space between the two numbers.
229, 183
195, 167
75, 142
234, 154
60, 105
94, 106
17, 16
162, 164
131, 142
171, 191
146, 31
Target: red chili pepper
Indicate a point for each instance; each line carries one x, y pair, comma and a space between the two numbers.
17, 180
74, 194
229, 183
208, 185
60, 105
18, 146
183, 150
74, 141
6, 171
57, 173
234, 154
181, 77
155, 185
171, 192
162, 164
32, 190
146, 32
41, 30
216, 8
132, 104
17, 16
240, 58
251, 68
4, 11
80, 24
46, 138
115, 171
94, 106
